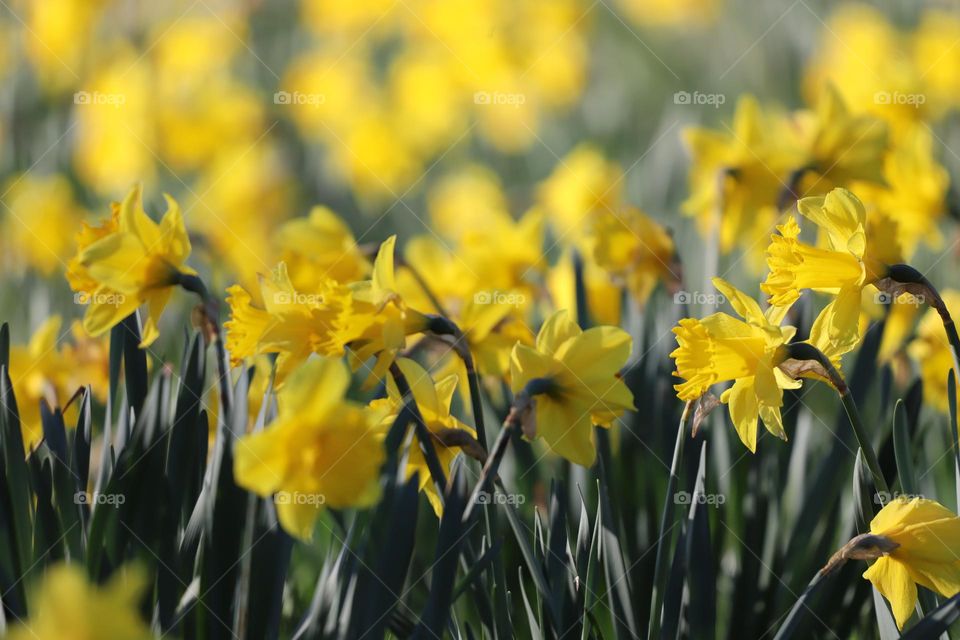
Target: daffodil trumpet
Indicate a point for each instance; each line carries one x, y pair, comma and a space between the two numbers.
803, 357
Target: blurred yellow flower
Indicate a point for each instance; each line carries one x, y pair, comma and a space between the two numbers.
931, 351
433, 400
914, 193
137, 263
737, 176
581, 373
466, 199
920, 546
320, 451
57, 38
320, 247
583, 183
66, 605
604, 297
634, 249
42, 214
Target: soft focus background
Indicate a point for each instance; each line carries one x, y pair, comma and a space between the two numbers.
429, 118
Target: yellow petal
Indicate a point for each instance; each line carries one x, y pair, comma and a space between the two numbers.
567, 430
297, 519
743, 304
156, 302
892, 579
103, 316
557, 329
744, 411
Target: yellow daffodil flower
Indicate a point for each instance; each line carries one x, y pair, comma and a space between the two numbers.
41, 218
66, 605
321, 449
136, 263
925, 540
749, 352
634, 249
320, 247
582, 183
737, 176
582, 372
844, 267
51, 368
465, 200
433, 400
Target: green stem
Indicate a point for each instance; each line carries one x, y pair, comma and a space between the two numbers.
664, 539
805, 351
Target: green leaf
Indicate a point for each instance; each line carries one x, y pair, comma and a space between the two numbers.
902, 450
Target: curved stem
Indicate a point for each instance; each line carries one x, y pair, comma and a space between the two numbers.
663, 543
194, 284
907, 275
421, 430
805, 351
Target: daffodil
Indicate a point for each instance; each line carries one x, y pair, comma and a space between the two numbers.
843, 267
288, 322
320, 247
578, 373
52, 368
42, 214
918, 543
634, 249
583, 183
737, 175
321, 450
137, 263
448, 434
66, 605
749, 352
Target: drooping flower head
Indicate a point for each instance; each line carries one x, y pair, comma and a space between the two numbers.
920, 542
581, 373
